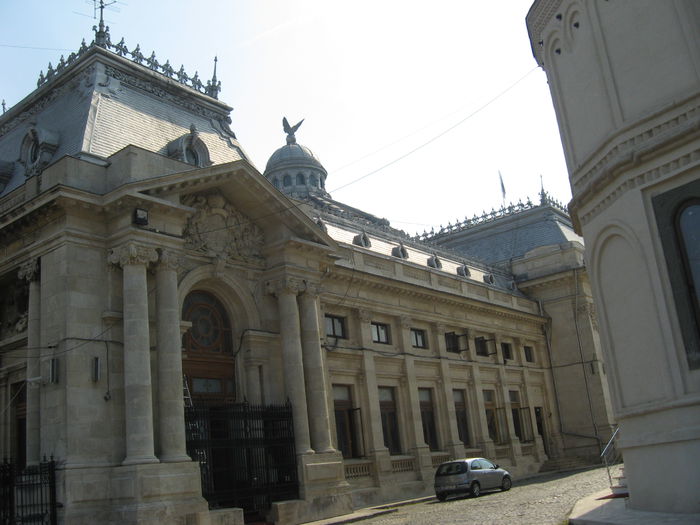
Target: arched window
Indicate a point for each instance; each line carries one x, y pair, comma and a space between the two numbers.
211, 329
300, 179
287, 180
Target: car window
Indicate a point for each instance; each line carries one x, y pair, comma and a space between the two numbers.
448, 469
476, 465
485, 463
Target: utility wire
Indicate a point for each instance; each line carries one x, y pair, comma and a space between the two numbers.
442, 133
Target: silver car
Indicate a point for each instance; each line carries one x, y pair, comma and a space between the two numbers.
470, 475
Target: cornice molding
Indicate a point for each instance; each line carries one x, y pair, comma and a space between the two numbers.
611, 175
439, 296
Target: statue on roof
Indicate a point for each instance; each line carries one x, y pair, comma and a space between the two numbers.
290, 130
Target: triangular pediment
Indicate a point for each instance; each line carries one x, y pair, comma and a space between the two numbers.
236, 210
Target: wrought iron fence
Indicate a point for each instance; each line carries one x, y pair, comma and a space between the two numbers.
246, 454
28, 495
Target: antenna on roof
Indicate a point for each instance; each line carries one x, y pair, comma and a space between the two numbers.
101, 31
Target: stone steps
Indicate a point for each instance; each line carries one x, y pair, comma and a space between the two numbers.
567, 463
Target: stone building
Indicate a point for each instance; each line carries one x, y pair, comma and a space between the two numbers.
625, 83
139, 247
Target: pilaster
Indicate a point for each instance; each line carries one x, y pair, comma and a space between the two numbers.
30, 272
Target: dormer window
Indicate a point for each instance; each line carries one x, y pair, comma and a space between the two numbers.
190, 148
434, 262
37, 150
400, 251
362, 239
191, 156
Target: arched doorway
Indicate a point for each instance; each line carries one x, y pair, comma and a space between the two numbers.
208, 358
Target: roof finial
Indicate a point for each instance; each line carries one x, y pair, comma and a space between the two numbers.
290, 130
102, 31
543, 194
3, 106
213, 85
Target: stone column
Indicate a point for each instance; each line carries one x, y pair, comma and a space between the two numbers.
171, 420
30, 272
316, 388
138, 407
286, 291
452, 442
481, 430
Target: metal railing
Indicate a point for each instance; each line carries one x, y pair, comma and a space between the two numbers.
28, 495
612, 458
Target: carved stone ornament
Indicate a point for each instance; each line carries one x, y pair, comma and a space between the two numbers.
287, 285
168, 260
218, 230
29, 271
132, 253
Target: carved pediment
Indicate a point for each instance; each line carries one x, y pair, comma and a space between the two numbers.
218, 230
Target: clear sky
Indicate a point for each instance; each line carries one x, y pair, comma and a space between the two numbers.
374, 80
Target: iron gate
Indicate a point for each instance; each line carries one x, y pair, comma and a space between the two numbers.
28, 495
246, 454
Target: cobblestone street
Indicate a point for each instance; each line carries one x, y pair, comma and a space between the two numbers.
542, 500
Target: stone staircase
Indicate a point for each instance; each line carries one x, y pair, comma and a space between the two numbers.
567, 463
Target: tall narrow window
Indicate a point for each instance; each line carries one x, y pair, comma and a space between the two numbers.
677, 214
495, 418
380, 333
418, 339
427, 415
689, 234
335, 326
529, 354
451, 342
481, 347
507, 350
462, 416
346, 422
515, 412
390, 419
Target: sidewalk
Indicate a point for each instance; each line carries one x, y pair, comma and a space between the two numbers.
594, 511
370, 512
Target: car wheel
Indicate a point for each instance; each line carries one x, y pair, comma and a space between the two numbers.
475, 490
507, 483
441, 496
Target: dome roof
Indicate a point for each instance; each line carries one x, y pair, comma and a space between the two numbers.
293, 156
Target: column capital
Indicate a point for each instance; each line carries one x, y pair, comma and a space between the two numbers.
168, 260
131, 253
29, 270
312, 289
364, 315
285, 286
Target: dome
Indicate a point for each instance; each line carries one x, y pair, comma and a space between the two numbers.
292, 156
294, 169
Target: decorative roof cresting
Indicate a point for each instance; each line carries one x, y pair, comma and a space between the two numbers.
102, 39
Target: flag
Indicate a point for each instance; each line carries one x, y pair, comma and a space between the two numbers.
503, 188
